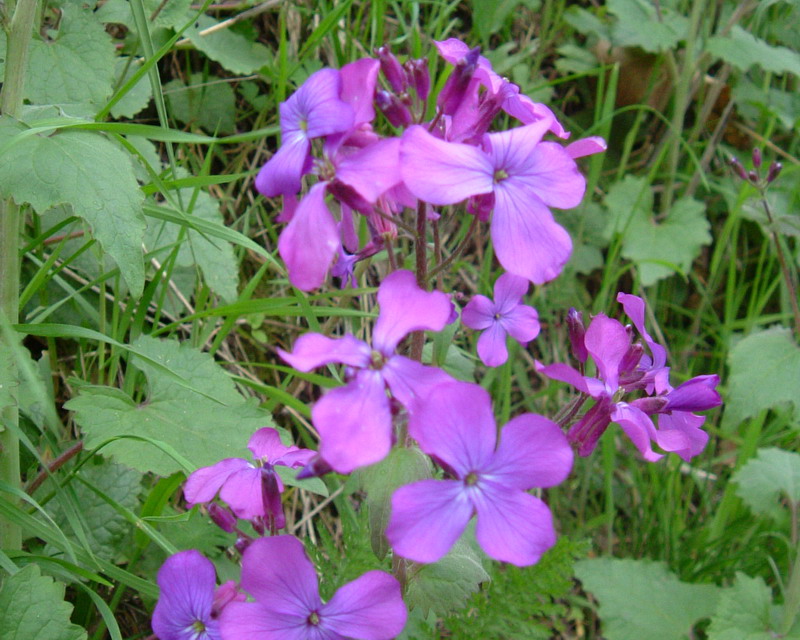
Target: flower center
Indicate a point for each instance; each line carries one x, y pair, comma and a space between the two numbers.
303, 124
500, 175
472, 479
198, 626
377, 360
313, 618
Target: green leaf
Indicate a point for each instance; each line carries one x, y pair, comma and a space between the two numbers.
32, 606
764, 373
401, 466
661, 248
88, 172
446, 585
77, 66
233, 51
202, 430
139, 96
289, 478
586, 23
104, 526
742, 50
207, 102
643, 599
489, 17
638, 25
764, 482
745, 612
172, 12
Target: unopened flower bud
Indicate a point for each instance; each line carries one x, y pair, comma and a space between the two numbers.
631, 358
222, 517
757, 158
774, 171
738, 168
242, 543
577, 332
752, 176
393, 108
457, 84
392, 69
315, 468
651, 404
419, 77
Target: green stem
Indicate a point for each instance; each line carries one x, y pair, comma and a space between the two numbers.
791, 604
19, 39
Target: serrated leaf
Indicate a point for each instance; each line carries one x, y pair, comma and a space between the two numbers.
489, 17
233, 51
446, 585
586, 23
77, 66
105, 528
638, 25
139, 96
768, 479
764, 373
745, 612
743, 50
661, 248
205, 102
643, 599
402, 466
88, 172
200, 429
171, 13
32, 606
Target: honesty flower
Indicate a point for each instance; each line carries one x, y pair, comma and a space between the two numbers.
355, 421
188, 606
506, 315
455, 425
252, 490
277, 572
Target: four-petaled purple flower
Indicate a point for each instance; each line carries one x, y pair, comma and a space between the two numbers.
506, 315
253, 491
455, 425
278, 574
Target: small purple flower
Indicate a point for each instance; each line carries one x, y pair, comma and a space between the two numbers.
252, 490
188, 606
506, 315
279, 575
455, 425
355, 421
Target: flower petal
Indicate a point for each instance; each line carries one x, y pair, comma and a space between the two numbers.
533, 452
358, 87
697, 394
245, 620
370, 607
411, 381
634, 309
373, 170
607, 342
512, 526
204, 483
442, 172
309, 242
564, 373
456, 424
586, 147
354, 423
427, 518
522, 323
680, 432
638, 427
508, 292
283, 172
478, 313
312, 350
512, 150
316, 106
492, 346
265, 444
404, 308
243, 493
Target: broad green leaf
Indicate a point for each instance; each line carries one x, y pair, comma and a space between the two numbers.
658, 248
232, 50
643, 599
32, 606
88, 172
638, 25
202, 430
289, 478
76, 66
745, 612
768, 479
208, 103
402, 466
489, 17
444, 586
105, 528
764, 373
139, 96
171, 13
742, 50
587, 23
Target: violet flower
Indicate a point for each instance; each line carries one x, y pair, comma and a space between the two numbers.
188, 606
456, 426
253, 491
279, 575
506, 315
355, 421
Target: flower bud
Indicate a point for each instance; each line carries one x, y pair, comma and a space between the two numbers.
419, 77
242, 542
315, 468
774, 171
457, 84
577, 332
651, 404
757, 158
393, 108
752, 176
738, 168
222, 517
392, 69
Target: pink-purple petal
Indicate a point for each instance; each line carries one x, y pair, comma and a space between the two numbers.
565, 373
358, 87
282, 173
312, 350
250, 620
265, 444
553, 176
204, 483
427, 518
354, 423
586, 147
634, 309
680, 433
492, 345
373, 170
369, 608
508, 292
513, 150
442, 172
521, 323
243, 493
411, 381
479, 313
638, 426
316, 106
533, 452
512, 526
309, 242
405, 307
607, 342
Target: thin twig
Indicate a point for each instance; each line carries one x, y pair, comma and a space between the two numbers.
56, 464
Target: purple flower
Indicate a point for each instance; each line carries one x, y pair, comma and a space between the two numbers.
519, 175
252, 490
278, 574
355, 421
506, 315
188, 606
455, 425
